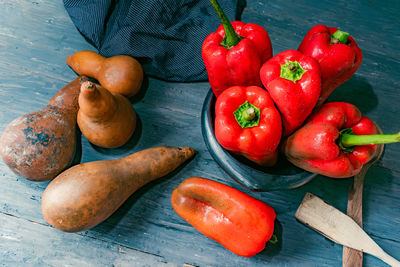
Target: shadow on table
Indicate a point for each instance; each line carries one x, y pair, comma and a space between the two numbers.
377, 178
273, 249
356, 91
142, 91
78, 150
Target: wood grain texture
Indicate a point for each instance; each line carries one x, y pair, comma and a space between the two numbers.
20, 241
35, 39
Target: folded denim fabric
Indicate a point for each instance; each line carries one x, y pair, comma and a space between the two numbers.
164, 35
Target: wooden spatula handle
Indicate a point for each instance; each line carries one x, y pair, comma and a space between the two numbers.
389, 259
352, 257
354, 204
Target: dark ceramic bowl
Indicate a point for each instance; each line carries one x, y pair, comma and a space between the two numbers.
284, 175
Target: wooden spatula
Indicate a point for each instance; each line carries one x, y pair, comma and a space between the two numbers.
339, 227
351, 257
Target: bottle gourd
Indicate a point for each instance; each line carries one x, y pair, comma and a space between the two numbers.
120, 74
41, 144
87, 194
106, 119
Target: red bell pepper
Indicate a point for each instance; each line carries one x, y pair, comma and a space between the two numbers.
234, 53
239, 222
294, 82
336, 141
247, 123
337, 53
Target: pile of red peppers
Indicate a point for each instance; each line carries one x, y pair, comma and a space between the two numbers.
269, 104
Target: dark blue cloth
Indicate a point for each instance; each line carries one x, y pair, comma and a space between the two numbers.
164, 35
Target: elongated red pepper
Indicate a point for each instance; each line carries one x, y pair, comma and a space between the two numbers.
247, 123
239, 222
294, 82
337, 53
234, 53
336, 141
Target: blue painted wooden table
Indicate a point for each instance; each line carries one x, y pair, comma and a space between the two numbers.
35, 39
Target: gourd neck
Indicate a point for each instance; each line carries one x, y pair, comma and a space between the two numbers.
96, 102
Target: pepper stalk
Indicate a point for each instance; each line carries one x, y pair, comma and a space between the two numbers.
339, 37
231, 37
348, 139
247, 115
292, 71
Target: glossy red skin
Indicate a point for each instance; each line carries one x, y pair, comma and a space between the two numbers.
313, 147
294, 100
239, 222
239, 65
258, 143
338, 61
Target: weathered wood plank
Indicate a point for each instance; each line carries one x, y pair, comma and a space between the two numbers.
26, 243
35, 39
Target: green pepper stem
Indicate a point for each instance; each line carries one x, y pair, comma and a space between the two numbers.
350, 140
292, 71
273, 239
249, 114
231, 38
339, 37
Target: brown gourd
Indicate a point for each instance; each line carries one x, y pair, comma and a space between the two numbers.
87, 194
106, 119
120, 74
41, 144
